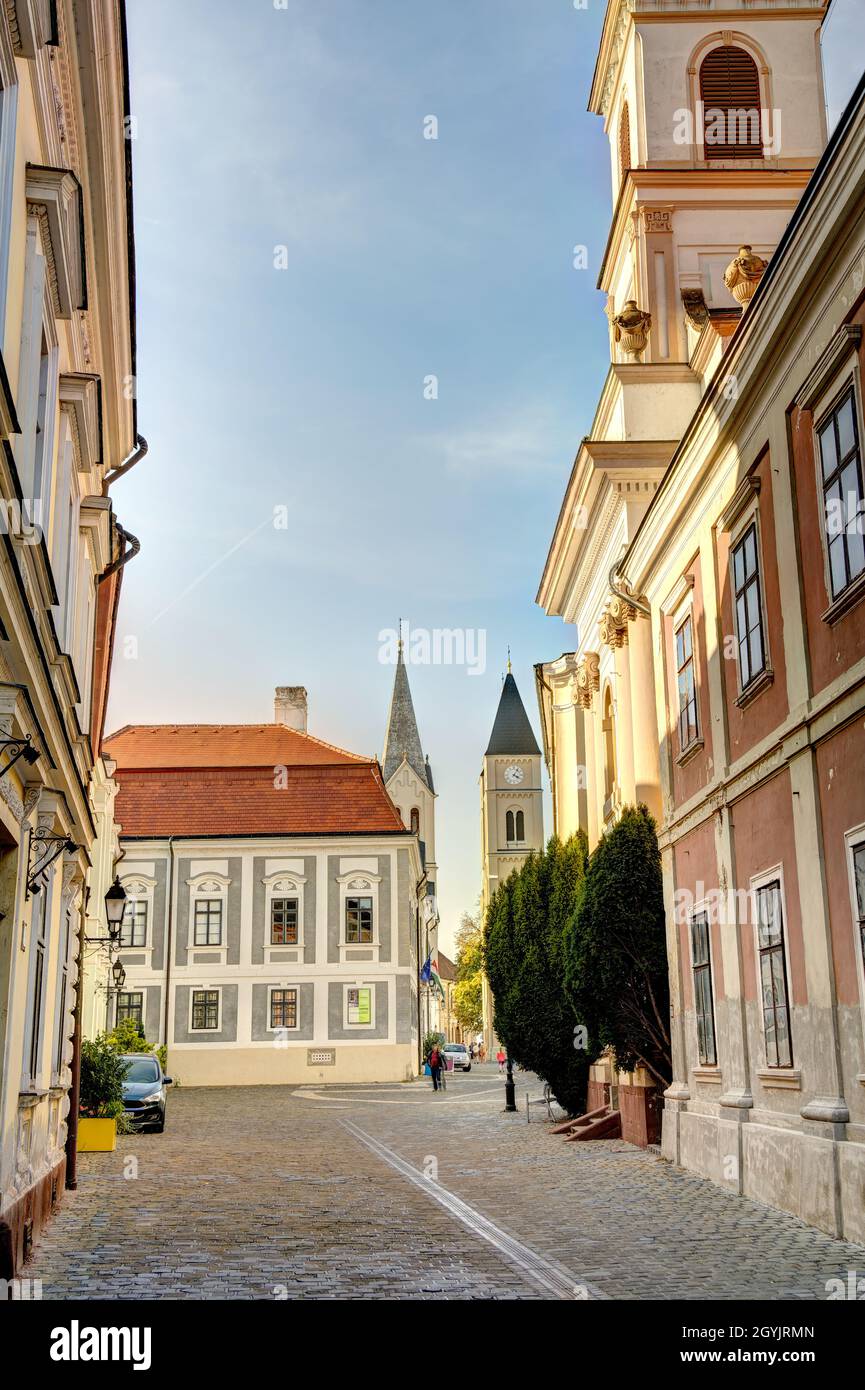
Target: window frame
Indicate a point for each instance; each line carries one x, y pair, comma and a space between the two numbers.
749, 522
135, 902
358, 897
282, 902
773, 878
208, 903
854, 839
129, 994
846, 383
706, 970
205, 990
283, 1027
683, 618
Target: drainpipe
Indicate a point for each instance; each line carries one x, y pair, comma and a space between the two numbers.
622, 590
169, 941
75, 1082
417, 915
125, 557
135, 457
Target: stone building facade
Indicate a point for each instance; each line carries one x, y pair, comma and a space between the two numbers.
728, 612
68, 429
273, 918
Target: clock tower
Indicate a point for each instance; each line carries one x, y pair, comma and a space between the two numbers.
511, 800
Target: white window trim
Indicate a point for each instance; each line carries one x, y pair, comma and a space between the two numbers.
750, 516
359, 984
678, 616
140, 887
847, 374
762, 880
283, 1028
853, 838
359, 883
284, 883
704, 908
209, 989
207, 886
133, 987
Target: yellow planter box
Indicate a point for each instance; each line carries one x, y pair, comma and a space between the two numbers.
97, 1136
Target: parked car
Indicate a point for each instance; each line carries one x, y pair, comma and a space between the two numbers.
458, 1055
144, 1090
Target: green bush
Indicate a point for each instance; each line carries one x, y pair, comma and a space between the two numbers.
430, 1041
616, 950
128, 1036
524, 950
102, 1074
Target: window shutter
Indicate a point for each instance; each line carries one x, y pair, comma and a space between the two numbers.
730, 82
624, 142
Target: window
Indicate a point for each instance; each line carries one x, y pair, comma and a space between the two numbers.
749, 608
859, 890
62, 991
624, 142
609, 730
205, 1009
359, 1006
283, 1008
521, 827
283, 922
510, 830
40, 913
730, 96
844, 508
688, 727
773, 976
133, 928
208, 922
704, 1003
414, 821
358, 921
130, 1004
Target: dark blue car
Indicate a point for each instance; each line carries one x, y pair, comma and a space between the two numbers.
144, 1091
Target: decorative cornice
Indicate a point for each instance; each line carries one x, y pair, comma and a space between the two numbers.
79, 399
613, 626
841, 346
747, 489
54, 197
588, 679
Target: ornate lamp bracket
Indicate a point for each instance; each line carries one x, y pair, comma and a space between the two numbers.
44, 849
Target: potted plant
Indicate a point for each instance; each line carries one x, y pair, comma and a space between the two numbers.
101, 1100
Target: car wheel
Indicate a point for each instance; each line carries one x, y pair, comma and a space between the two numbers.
468, 1068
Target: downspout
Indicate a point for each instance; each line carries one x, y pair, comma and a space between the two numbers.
135, 457
125, 557
169, 943
420, 883
75, 1081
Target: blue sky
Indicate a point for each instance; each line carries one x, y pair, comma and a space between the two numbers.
303, 387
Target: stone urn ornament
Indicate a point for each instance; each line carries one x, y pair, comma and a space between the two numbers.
744, 274
632, 327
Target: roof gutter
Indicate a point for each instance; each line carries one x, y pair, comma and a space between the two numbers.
141, 448
127, 555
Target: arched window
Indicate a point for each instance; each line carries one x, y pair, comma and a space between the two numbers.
509, 827
415, 821
624, 142
730, 94
521, 828
609, 729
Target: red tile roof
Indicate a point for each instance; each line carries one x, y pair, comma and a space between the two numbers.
254, 779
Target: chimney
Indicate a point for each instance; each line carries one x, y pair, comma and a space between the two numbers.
289, 707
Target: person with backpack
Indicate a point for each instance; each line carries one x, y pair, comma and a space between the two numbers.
436, 1062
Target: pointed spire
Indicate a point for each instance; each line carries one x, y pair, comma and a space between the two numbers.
512, 732
402, 739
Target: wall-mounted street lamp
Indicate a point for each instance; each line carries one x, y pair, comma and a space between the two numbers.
51, 847
18, 748
115, 906
118, 975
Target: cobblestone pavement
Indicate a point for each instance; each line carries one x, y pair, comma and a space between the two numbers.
276, 1192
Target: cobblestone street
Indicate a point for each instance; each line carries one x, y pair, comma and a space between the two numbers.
273, 1192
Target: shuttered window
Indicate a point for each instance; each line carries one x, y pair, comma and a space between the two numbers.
730, 93
624, 142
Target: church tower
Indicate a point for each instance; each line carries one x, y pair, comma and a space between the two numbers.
407, 773
512, 822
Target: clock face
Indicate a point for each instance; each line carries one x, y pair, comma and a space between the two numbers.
514, 775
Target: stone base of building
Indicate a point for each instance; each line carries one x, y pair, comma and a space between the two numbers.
813, 1171
24, 1218
633, 1094
296, 1065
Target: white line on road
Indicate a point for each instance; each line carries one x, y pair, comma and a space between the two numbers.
551, 1277
302, 1094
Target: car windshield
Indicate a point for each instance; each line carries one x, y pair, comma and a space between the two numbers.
455, 1047
139, 1069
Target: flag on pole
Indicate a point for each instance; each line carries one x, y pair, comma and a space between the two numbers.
435, 979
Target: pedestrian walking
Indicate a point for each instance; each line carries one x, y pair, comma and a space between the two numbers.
501, 1059
435, 1065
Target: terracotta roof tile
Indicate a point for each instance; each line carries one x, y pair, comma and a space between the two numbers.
221, 745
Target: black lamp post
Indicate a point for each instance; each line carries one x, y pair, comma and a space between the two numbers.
115, 905
510, 1088
118, 975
